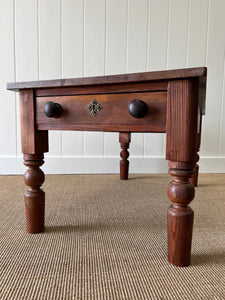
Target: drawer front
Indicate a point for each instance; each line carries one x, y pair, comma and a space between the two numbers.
112, 112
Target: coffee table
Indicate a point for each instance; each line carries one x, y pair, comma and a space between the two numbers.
163, 101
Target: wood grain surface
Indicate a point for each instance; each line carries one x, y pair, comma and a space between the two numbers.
114, 115
110, 79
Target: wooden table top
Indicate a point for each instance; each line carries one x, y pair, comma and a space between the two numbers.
113, 79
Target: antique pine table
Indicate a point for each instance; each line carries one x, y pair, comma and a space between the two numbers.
164, 101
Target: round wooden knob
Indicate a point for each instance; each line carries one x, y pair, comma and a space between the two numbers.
137, 108
53, 110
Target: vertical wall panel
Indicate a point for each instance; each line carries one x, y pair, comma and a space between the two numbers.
94, 61
26, 45
8, 111
157, 60
72, 63
178, 33
26, 48
94, 39
197, 33
116, 33
137, 41
72, 38
111, 144
137, 36
215, 63
50, 55
49, 39
158, 34
116, 36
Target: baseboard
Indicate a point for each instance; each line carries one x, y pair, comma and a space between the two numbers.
104, 165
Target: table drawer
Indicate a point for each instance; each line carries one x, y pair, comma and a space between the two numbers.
113, 114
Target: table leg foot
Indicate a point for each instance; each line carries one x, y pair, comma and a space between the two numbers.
34, 196
124, 139
180, 216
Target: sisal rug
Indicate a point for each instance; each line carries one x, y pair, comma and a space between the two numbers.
106, 239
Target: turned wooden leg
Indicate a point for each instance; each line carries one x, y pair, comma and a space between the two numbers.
194, 178
34, 196
179, 215
124, 139
181, 149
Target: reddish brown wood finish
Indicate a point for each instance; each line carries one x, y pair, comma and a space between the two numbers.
34, 143
179, 215
103, 89
175, 99
111, 79
34, 196
124, 139
113, 116
32, 140
194, 178
182, 118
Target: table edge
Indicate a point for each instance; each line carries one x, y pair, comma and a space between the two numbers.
111, 79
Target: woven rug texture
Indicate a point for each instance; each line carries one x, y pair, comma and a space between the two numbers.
106, 239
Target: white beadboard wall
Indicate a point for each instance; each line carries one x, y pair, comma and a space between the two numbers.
47, 39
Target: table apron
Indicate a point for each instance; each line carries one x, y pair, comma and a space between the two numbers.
112, 116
